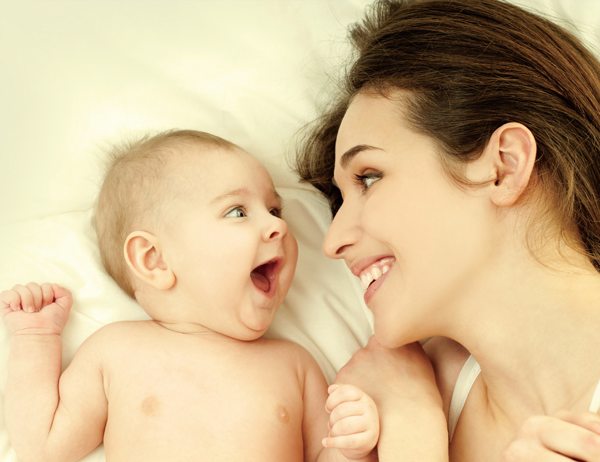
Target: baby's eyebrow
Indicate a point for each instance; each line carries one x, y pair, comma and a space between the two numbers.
278, 196
234, 193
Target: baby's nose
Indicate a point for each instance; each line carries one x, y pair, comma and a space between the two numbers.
277, 229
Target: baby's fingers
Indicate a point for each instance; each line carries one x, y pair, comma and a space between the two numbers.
349, 425
345, 410
10, 299
356, 440
36, 293
62, 297
27, 302
342, 393
47, 294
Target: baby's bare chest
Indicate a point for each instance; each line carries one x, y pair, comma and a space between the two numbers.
205, 404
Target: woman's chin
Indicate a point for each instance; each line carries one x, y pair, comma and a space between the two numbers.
389, 337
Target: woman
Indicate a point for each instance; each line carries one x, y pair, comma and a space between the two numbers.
462, 166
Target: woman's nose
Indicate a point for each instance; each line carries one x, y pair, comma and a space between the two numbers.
342, 234
276, 229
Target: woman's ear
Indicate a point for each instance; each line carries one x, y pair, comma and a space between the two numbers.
512, 152
144, 258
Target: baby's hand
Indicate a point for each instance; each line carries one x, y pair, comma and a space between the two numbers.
353, 423
35, 309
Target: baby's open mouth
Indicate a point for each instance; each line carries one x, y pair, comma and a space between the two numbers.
264, 276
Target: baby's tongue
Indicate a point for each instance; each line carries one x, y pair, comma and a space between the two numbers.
260, 281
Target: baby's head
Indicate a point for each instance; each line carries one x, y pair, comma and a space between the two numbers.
190, 225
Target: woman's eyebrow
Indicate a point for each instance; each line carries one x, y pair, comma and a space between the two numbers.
350, 153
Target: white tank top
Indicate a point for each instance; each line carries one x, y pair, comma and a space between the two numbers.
465, 381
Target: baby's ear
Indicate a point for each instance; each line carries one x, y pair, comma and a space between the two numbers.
512, 151
144, 258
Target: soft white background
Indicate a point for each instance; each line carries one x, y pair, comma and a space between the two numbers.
76, 75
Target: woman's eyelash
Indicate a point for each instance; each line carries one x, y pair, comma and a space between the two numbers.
366, 180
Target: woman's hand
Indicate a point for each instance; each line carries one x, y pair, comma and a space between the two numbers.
385, 373
35, 309
566, 436
402, 384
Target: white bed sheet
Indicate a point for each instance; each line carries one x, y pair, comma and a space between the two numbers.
76, 75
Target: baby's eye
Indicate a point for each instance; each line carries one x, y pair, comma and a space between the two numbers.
237, 212
365, 181
275, 212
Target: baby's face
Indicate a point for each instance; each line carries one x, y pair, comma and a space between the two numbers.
233, 256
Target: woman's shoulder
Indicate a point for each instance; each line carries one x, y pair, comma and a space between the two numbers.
448, 358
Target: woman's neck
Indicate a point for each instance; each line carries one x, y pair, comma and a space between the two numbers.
535, 332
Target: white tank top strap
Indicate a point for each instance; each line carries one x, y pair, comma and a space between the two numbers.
465, 381
595, 405
469, 372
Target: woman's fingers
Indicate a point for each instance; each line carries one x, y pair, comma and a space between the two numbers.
588, 420
569, 439
547, 438
529, 450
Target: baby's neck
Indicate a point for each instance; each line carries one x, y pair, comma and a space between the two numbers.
187, 328
154, 302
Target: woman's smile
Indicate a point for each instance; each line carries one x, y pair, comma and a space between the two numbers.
377, 282
372, 272
375, 271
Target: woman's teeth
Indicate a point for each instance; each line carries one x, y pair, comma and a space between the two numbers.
376, 271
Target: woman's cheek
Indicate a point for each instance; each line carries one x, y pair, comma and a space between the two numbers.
382, 215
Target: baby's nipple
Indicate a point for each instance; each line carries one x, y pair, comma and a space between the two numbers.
150, 405
282, 414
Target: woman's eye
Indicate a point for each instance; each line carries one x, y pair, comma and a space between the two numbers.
237, 212
365, 181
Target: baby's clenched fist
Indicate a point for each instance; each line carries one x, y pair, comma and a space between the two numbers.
35, 308
353, 422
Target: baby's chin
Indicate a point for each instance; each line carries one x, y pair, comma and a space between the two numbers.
256, 322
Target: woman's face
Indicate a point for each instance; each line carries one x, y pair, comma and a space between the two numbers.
403, 224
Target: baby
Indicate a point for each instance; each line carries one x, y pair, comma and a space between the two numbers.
190, 226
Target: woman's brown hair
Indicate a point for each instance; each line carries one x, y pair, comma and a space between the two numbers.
468, 67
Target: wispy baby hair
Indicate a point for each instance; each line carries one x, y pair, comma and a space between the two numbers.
136, 191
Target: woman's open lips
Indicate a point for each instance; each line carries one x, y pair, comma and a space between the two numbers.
264, 277
373, 273
370, 292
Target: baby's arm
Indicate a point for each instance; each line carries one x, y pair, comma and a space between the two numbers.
353, 420
49, 417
